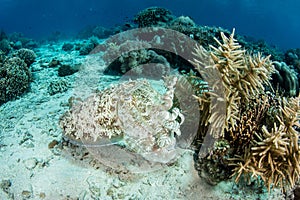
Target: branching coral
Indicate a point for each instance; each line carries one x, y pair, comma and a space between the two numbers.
242, 76
260, 128
274, 154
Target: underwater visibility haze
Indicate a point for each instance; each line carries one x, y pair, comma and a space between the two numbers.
274, 21
149, 99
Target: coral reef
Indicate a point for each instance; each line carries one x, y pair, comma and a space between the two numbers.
15, 78
259, 138
27, 55
94, 31
2, 57
131, 113
57, 86
2, 35
133, 61
292, 57
153, 16
185, 25
243, 76
285, 79
15, 75
88, 46
18, 40
67, 46
146, 46
5, 46
273, 153
260, 46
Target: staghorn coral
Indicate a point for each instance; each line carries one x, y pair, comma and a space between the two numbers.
132, 114
274, 153
260, 128
242, 76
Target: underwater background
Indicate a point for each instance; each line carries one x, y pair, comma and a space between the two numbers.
149, 99
276, 22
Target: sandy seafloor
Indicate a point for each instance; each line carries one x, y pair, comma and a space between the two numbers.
30, 123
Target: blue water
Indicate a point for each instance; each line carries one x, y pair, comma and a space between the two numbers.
275, 21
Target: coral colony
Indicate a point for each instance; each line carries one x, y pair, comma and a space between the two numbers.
260, 137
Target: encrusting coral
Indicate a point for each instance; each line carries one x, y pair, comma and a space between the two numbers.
259, 128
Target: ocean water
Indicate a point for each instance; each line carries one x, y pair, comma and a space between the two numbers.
273, 21
149, 99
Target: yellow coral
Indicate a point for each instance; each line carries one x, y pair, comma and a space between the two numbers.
242, 76
274, 151
261, 145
